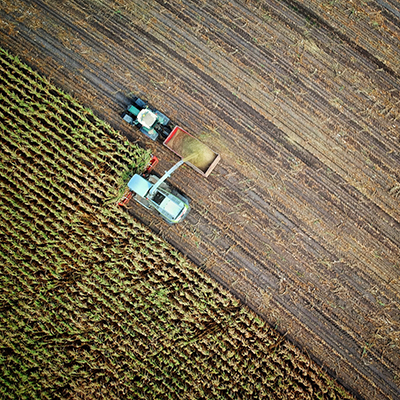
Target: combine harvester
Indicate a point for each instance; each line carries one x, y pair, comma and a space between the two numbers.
149, 190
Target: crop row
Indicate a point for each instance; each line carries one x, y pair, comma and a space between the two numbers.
129, 323
92, 302
106, 295
61, 120
50, 95
42, 128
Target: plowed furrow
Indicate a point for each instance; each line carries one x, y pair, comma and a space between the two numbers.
297, 219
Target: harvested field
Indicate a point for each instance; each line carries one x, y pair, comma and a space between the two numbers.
300, 219
93, 304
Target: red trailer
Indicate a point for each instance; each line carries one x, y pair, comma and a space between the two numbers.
200, 157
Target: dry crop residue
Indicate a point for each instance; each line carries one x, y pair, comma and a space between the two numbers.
94, 305
300, 219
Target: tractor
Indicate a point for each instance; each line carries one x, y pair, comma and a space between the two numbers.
149, 190
150, 121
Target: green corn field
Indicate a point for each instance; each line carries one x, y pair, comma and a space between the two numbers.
92, 303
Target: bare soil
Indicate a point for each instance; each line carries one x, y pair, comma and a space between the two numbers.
301, 217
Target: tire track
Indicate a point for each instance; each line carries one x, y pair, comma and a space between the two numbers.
272, 222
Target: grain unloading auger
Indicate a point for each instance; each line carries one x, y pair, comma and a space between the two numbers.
149, 190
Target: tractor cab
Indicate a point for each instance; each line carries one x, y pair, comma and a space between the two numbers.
150, 121
147, 118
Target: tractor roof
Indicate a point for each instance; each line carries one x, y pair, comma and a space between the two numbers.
147, 118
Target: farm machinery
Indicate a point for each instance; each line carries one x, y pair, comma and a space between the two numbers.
155, 193
150, 121
149, 190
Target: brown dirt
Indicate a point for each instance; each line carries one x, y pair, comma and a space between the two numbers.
300, 218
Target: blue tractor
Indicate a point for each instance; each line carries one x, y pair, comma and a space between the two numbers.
150, 121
